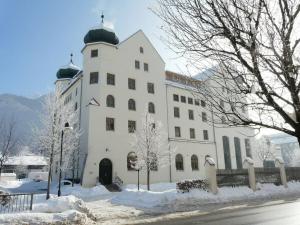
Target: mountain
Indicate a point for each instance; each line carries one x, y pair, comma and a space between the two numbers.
24, 111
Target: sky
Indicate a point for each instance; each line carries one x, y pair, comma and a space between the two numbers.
37, 37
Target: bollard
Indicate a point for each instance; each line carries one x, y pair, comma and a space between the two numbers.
248, 163
280, 163
211, 174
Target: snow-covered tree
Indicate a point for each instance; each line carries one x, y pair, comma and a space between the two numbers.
151, 147
56, 113
8, 139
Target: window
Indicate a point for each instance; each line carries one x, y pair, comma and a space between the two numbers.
222, 104
141, 50
131, 83
205, 134
223, 120
94, 53
75, 106
183, 99
204, 117
131, 160
176, 112
146, 67
177, 132
175, 98
203, 103
151, 107
110, 101
131, 126
94, 77
110, 124
248, 148
194, 162
153, 161
137, 64
110, 79
191, 114
150, 88
190, 101
197, 102
76, 91
192, 133
179, 162
131, 104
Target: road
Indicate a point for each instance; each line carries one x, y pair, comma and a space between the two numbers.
284, 212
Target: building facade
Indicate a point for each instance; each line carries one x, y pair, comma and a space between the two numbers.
117, 83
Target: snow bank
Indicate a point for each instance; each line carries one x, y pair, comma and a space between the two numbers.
166, 196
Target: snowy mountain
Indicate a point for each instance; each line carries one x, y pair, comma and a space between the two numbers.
24, 111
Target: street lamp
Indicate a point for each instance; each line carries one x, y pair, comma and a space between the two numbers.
66, 127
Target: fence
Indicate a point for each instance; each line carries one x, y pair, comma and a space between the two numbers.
268, 175
236, 177
10, 203
292, 173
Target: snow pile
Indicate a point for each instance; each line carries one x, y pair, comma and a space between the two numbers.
58, 204
68, 217
85, 193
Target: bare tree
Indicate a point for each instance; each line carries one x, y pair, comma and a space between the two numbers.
252, 50
8, 139
151, 146
264, 149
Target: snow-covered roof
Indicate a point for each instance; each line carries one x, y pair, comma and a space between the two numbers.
27, 160
282, 139
70, 66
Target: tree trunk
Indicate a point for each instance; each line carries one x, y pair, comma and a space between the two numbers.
148, 179
50, 172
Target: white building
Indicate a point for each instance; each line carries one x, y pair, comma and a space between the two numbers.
117, 82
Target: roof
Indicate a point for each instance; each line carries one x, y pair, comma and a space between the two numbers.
282, 138
101, 34
27, 160
205, 74
183, 80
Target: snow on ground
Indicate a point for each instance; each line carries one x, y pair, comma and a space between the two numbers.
97, 204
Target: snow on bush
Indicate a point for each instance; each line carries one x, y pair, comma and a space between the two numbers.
188, 185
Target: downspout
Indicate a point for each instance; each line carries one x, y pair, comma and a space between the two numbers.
214, 133
170, 159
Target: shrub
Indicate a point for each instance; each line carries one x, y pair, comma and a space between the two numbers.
187, 185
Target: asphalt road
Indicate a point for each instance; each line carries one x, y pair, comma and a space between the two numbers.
284, 212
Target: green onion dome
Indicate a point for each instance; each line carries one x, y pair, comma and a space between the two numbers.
68, 71
101, 34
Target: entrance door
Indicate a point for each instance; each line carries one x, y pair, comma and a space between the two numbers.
105, 172
238, 154
227, 157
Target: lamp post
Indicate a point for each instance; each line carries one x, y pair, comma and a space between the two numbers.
66, 127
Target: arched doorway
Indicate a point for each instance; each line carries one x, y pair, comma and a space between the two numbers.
105, 171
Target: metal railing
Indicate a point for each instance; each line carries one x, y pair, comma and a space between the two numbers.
10, 203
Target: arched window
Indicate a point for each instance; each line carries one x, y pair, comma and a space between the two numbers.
131, 160
110, 101
151, 107
194, 162
153, 161
131, 104
179, 162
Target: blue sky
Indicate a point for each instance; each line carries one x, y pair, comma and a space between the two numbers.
37, 37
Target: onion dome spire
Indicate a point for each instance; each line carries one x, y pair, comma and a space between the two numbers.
68, 71
101, 34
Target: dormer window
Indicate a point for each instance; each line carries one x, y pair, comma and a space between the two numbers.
141, 50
